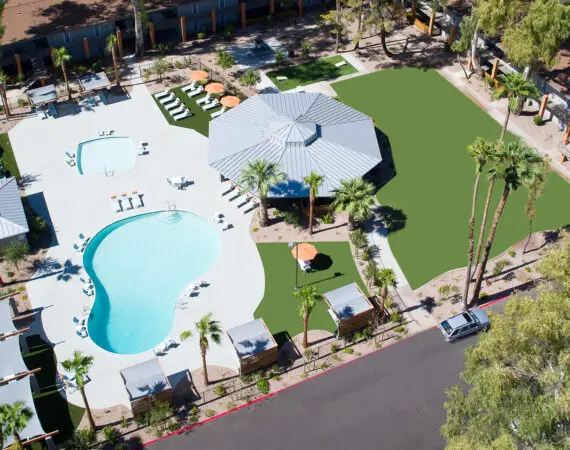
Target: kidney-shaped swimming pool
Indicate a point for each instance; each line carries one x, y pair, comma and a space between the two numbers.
139, 266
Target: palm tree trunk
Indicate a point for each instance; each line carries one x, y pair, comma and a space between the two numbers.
204, 366
383, 41
311, 203
305, 329
462, 66
506, 122
17, 439
87, 409
139, 32
117, 79
383, 297
359, 25
263, 216
66, 80
529, 236
489, 244
471, 241
350, 223
337, 37
484, 222
474, 42
5, 101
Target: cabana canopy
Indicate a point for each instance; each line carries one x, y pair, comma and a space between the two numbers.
42, 95
348, 301
251, 338
94, 82
11, 362
145, 379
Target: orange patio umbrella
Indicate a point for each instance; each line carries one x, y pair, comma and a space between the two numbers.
214, 88
198, 75
304, 252
230, 101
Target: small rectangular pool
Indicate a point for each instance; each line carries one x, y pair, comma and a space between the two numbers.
106, 155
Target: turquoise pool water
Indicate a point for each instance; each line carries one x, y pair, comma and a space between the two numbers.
105, 155
139, 266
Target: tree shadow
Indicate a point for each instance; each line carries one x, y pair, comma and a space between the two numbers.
394, 219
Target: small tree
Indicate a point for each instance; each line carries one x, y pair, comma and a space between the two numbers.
306, 47
370, 272
16, 252
313, 181
309, 297
160, 67
224, 59
279, 57
358, 239
356, 198
3, 81
499, 267
111, 47
80, 365
13, 419
556, 264
250, 78
462, 45
61, 57
81, 440
385, 278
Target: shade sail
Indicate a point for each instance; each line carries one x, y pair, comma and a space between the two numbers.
198, 75
214, 88
41, 95
94, 82
6, 323
230, 101
304, 252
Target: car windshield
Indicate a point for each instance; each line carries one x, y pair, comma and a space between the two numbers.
445, 325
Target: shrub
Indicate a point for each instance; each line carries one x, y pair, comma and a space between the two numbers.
82, 440
249, 78
178, 65
193, 416
444, 291
21, 289
366, 254
499, 267
201, 35
306, 47
220, 390
512, 253
396, 316
279, 57
10, 274
263, 386
254, 229
96, 66
81, 70
483, 295
146, 74
111, 434
124, 422
327, 219
334, 348
210, 413
348, 350
246, 379
229, 29
528, 269
21, 77
292, 216
188, 62
22, 102
538, 120
230, 405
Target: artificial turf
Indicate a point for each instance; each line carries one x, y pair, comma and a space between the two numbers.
303, 74
429, 124
334, 267
199, 120
8, 158
54, 412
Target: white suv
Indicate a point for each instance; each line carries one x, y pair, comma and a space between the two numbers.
463, 324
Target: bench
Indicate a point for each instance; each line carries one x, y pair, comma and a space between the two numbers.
281, 78
340, 64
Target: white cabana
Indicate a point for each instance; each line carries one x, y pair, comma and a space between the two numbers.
42, 95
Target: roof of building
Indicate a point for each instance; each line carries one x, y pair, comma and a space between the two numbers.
144, 379
25, 19
94, 81
41, 95
347, 301
302, 132
12, 217
20, 390
251, 338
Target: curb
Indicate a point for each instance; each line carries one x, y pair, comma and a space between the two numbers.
272, 394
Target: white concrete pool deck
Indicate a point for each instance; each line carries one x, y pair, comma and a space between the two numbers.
81, 204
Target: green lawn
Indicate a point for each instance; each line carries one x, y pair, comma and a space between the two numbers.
199, 120
53, 410
8, 158
334, 268
303, 74
429, 124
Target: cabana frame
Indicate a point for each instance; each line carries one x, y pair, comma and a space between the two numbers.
346, 321
251, 335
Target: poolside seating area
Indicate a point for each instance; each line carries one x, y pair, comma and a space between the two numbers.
70, 159
81, 243
105, 132
175, 107
179, 182
163, 348
240, 198
125, 201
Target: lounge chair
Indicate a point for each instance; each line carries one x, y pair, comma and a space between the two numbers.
78, 321
206, 99
79, 247
235, 196
136, 199
126, 202
340, 64
281, 78
191, 87
225, 225
183, 115
109, 132
252, 205
195, 92
177, 110
244, 202
83, 238
116, 203
211, 105
226, 188
41, 113
70, 162
172, 104
162, 94
167, 99
88, 292
218, 113
305, 265
85, 279
103, 98
82, 333
70, 155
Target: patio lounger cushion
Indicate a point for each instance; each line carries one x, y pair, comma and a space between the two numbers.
195, 92
182, 115
162, 94
176, 111
211, 105
167, 99
282, 78
205, 99
340, 64
171, 105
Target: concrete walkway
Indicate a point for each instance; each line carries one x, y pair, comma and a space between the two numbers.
355, 62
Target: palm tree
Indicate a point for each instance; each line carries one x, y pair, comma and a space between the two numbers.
355, 197
314, 180
481, 151
258, 176
208, 329
309, 297
61, 57
3, 81
80, 365
111, 48
519, 166
13, 419
535, 190
138, 12
385, 278
515, 86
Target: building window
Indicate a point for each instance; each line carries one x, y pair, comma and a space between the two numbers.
67, 37
41, 43
222, 4
96, 30
194, 8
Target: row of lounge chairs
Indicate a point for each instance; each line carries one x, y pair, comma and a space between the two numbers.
173, 105
241, 199
81, 243
219, 218
208, 101
126, 201
70, 159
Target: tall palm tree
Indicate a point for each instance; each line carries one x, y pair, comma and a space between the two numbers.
515, 86
482, 152
208, 330
13, 419
309, 297
258, 176
535, 190
111, 48
519, 166
3, 81
314, 181
61, 57
355, 197
138, 12
80, 365
385, 278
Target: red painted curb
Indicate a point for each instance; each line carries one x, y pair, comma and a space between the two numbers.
272, 394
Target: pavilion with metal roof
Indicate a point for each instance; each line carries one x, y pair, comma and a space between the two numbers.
302, 132
350, 308
13, 222
254, 345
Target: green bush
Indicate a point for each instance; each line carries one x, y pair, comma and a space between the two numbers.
327, 219
334, 348
246, 379
193, 416
220, 390
231, 405
10, 274
512, 253
111, 435
81, 70
178, 65
348, 350
22, 102
201, 35
366, 254
538, 120
292, 216
263, 386
396, 316
210, 413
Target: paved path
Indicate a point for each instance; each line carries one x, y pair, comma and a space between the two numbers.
392, 399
